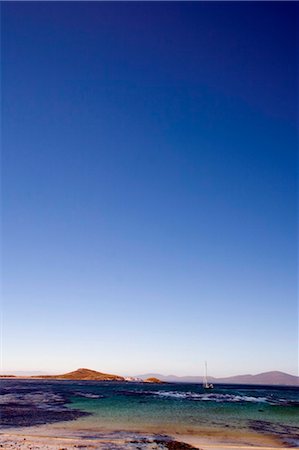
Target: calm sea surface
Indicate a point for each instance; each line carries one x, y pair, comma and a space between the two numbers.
186, 408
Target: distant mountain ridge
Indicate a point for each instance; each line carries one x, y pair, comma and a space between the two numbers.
275, 378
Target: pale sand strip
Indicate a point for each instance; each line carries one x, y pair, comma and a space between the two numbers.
9, 441
203, 445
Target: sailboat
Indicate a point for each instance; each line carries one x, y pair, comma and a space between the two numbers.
206, 384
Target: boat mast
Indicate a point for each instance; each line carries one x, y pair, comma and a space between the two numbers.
206, 374
206, 385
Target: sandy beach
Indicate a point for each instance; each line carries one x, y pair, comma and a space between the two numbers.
38, 439
10, 441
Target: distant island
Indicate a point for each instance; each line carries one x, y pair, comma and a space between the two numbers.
153, 380
274, 378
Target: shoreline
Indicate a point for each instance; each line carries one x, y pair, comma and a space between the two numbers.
118, 441
53, 437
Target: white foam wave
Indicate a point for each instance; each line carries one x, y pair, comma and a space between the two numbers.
212, 397
88, 395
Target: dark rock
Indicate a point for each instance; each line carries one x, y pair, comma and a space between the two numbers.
174, 445
27, 415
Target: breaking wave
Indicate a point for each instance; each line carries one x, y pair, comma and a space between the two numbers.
219, 398
88, 395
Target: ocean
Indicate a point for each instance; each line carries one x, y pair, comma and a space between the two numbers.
236, 413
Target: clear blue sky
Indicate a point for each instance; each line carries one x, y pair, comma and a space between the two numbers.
149, 186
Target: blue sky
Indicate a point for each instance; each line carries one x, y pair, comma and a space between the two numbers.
149, 186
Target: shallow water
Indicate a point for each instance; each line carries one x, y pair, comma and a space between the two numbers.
183, 408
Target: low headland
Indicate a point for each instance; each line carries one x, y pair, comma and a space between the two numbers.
88, 375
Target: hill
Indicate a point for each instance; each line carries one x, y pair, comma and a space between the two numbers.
270, 378
84, 374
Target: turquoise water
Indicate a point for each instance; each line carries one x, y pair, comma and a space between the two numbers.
183, 408
187, 408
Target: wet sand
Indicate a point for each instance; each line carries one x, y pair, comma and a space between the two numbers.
38, 438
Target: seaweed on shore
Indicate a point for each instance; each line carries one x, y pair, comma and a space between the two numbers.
164, 442
174, 445
286, 433
16, 415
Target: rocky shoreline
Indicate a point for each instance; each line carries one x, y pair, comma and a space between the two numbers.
113, 442
24, 408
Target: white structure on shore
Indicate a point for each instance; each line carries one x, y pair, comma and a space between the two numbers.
133, 379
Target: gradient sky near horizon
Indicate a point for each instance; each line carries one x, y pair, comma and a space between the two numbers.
149, 186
